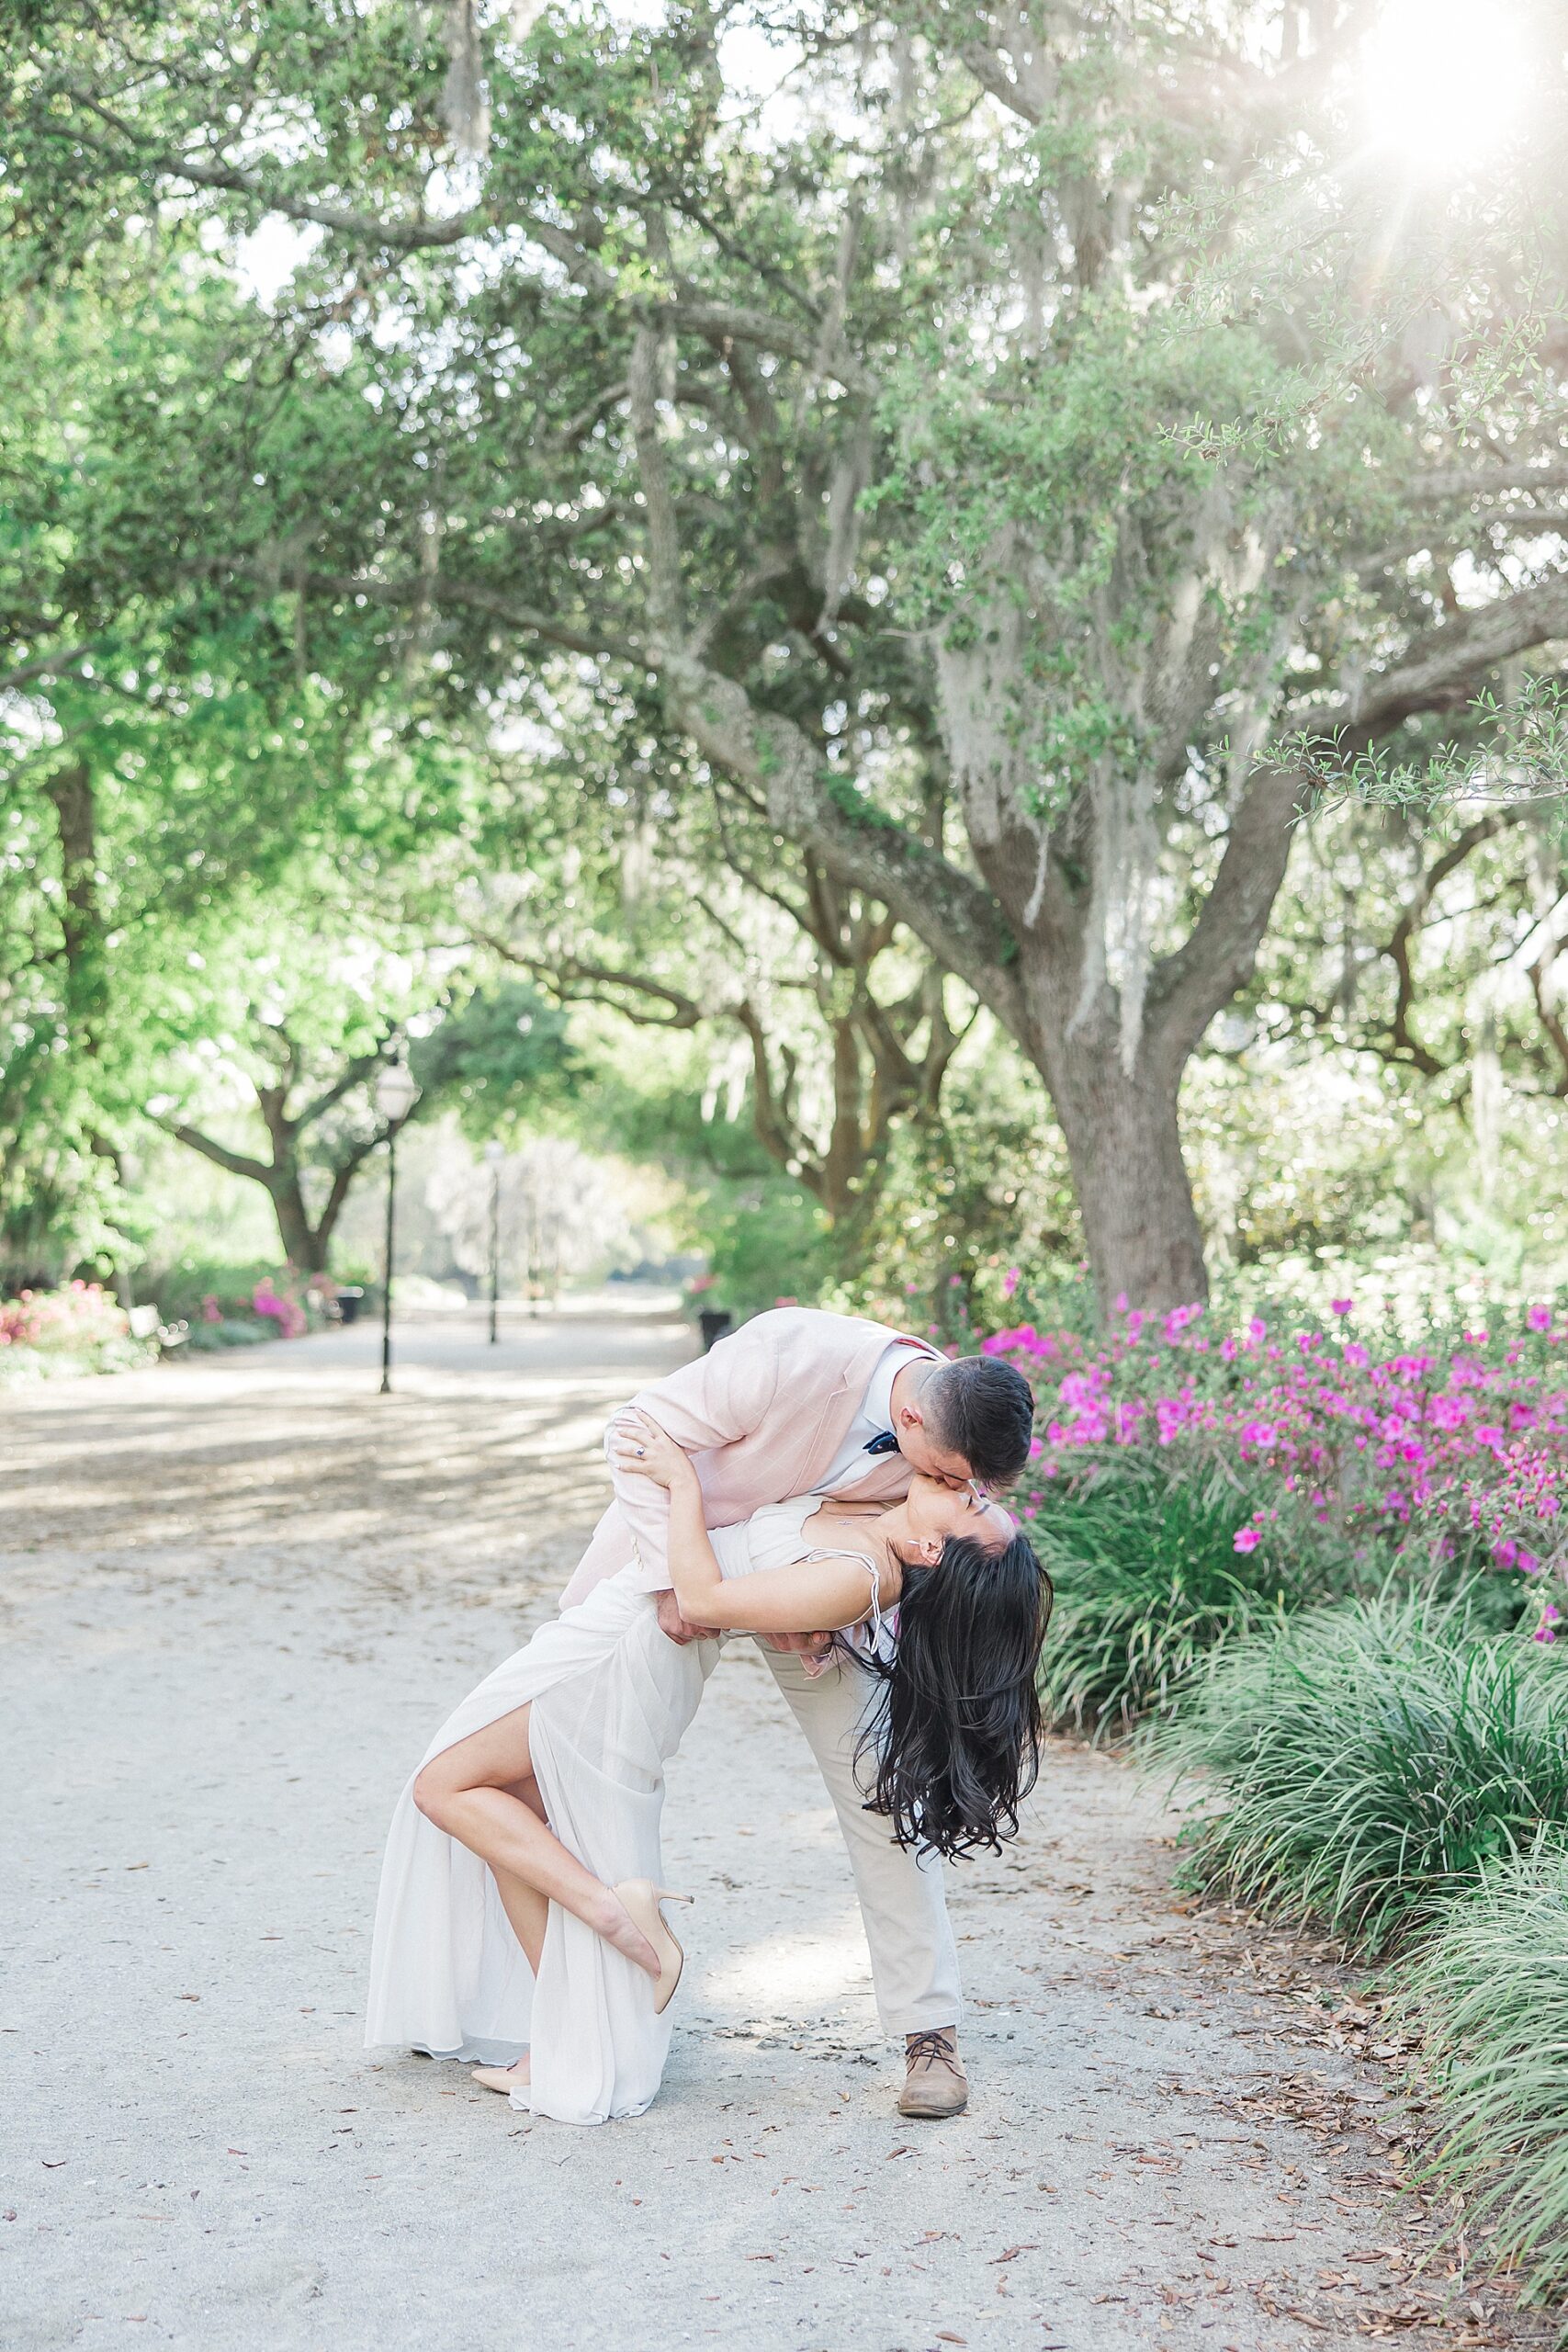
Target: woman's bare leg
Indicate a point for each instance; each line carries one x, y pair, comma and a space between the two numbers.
467, 1792
527, 1909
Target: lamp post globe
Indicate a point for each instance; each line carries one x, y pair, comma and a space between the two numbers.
396, 1092
396, 1095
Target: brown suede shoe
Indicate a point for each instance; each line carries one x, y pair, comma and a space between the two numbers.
935, 2084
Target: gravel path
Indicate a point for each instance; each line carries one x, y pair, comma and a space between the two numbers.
237, 1595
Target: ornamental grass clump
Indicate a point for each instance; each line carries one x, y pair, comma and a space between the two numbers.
1489, 1997
1368, 1762
1150, 1579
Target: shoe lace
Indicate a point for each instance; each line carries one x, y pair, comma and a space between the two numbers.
934, 2046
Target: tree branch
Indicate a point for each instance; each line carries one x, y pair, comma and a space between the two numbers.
992, 76
1551, 1020
569, 978
663, 593
722, 321
775, 1131
1454, 482
343, 1175
1187, 988
956, 916
353, 1075
1438, 668
411, 236
238, 1163
1406, 1045
45, 665
469, 596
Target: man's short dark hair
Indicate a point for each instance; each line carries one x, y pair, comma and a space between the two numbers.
984, 1409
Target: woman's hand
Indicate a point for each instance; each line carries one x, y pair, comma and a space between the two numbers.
646, 1451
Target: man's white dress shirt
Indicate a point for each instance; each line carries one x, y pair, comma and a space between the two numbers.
853, 1462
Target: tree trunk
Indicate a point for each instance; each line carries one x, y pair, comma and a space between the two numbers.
1121, 1128
303, 1246
1124, 1141
81, 926
1123, 1133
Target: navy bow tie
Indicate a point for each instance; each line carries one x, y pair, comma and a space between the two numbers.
884, 1442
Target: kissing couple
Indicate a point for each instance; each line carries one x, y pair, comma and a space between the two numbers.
828, 1484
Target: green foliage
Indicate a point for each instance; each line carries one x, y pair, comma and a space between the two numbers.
501, 1059
1149, 1583
765, 1242
1489, 1998
979, 332
763, 1236
976, 1190
1368, 1762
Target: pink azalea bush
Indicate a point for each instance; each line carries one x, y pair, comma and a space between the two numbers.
277, 1306
1457, 1449
78, 1328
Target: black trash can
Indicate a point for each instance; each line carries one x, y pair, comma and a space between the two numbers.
350, 1296
713, 1322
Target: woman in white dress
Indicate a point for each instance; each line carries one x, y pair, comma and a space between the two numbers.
519, 1920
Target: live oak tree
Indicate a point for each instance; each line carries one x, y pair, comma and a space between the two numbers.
999, 448
275, 1079
162, 747
607, 873
181, 767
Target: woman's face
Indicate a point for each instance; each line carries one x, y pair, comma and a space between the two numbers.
934, 1512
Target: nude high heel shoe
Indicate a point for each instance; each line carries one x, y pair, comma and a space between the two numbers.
642, 1900
505, 2079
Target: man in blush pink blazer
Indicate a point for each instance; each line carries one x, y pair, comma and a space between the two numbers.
800, 1402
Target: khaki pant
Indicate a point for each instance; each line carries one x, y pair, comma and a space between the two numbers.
914, 1961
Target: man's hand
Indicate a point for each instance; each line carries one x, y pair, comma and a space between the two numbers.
805, 1645
675, 1626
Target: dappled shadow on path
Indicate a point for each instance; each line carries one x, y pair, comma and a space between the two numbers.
477, 1466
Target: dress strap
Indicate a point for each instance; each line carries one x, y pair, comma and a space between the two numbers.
837, 1552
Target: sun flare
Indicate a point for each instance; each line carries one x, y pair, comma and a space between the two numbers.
1444, 81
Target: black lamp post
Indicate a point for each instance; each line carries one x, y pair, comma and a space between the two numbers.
495, 1153
396, 1095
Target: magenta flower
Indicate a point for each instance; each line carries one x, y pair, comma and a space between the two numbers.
1539, 1317
1424, 1447
1340, 1305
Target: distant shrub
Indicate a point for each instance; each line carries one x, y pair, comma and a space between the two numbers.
197, 1290
1370, 1761
56, 1333
270, 1301
224, 1331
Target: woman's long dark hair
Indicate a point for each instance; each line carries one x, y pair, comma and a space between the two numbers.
956, 1737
